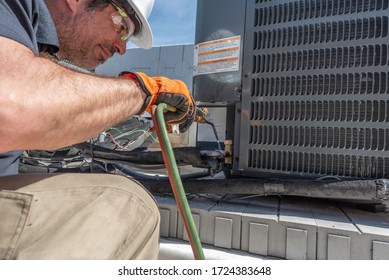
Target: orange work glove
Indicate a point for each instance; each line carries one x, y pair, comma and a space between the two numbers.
163, 90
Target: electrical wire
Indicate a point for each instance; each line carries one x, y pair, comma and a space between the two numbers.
114, 141
123, 140
175, 179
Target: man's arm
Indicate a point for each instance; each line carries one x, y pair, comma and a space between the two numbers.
46, 106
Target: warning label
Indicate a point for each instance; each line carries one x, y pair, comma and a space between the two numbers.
217, 56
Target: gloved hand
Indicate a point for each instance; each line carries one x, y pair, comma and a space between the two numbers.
163, 90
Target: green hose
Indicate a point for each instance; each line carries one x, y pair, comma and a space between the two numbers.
175, 179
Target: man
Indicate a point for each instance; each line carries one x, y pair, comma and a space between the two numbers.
47, 106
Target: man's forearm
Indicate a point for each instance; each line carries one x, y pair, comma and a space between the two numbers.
49, 106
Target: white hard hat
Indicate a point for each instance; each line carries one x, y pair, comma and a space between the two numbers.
143, 37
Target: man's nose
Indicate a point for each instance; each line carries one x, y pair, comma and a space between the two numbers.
120, 46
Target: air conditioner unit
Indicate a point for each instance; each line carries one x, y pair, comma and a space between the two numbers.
309, 94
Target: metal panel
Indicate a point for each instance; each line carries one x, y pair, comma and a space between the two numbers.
228, 224
380, 250
300, 229
316, 89
213, 23
296, 244
223, 232
165, 225
204, 222
258, 238
169, 216
258, 222
286, 227
174, 62
339, 247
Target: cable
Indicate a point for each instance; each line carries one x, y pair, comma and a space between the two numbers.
175, 180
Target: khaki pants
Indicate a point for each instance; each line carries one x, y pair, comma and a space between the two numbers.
76, 216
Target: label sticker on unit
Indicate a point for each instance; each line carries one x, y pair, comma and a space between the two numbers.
217, 56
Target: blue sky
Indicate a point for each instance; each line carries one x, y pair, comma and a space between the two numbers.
173, 22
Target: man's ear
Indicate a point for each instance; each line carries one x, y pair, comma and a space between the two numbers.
74, 5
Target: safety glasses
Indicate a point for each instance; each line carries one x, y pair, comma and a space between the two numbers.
124, 26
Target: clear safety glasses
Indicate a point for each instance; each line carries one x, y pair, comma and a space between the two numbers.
124, 26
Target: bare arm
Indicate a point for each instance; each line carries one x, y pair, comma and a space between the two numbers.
46, 106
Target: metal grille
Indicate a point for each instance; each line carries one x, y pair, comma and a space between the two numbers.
316, 89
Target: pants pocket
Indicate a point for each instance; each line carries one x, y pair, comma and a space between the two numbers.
14, 211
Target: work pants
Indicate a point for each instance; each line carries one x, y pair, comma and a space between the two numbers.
77, 216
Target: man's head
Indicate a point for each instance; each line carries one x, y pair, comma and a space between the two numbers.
139, 11
91, 31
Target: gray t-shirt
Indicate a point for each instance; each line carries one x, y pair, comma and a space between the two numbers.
29, 23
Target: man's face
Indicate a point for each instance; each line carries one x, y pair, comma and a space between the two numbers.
89, 38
